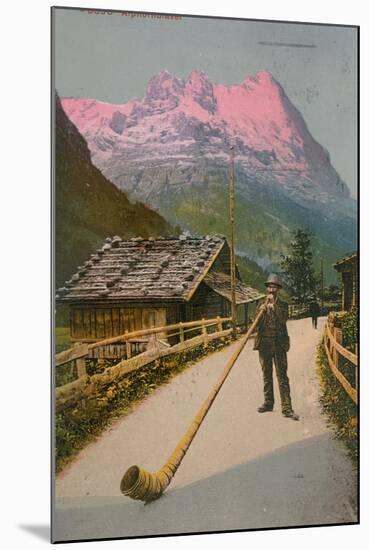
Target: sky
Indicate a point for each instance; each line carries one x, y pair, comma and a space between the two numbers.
111, 56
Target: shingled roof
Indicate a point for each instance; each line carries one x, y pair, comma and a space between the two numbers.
145, 270
347, 260
221, 283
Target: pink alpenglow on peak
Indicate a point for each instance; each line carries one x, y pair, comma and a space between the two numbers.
163, 84
256, 110
253, 110
198, 80
185, 119
199, 87
264, 78
89, 114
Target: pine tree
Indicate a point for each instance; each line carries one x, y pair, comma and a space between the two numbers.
298, 266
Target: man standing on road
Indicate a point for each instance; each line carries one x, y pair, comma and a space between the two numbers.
314, 312
272, 342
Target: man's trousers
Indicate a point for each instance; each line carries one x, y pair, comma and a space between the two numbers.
269, 352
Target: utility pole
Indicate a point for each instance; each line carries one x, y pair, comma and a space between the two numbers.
321, 285
233, 259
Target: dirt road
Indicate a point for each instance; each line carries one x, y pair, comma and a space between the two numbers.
244, 470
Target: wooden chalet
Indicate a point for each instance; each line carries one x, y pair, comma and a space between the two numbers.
348, 269
134, 284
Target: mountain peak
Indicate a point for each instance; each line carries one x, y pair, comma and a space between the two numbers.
198, 76
166, 79
201, 89
161, 76
263, 80
196, 119
264, 76
163, 90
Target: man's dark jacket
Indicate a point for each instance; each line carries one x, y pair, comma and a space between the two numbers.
281, 315
314, 309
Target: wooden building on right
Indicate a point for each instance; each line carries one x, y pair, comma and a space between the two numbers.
347, 267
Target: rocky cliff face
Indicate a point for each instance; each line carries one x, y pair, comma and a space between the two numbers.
174, 144
181, 121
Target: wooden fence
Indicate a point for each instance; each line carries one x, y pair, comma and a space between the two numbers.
296, 311
137, 349
299, 311
335, 353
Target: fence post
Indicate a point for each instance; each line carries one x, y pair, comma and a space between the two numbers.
327, 339
156, 343
151, 344
219, 322
338, 338
205, 334
181, 333
128, 349
128, 346
81, 367
356, 368
80, 364
72, 367
331, 344
100, 356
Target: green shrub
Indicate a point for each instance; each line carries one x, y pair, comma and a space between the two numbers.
64, 374
340, 410
348, 323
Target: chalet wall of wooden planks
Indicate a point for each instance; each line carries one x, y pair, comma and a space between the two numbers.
90, 324
347, 267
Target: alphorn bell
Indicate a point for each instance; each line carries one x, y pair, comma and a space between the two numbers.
139, 484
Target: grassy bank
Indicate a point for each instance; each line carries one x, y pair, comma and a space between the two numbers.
338, 407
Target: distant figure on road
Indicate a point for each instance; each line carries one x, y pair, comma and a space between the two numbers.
272, 342
314, 312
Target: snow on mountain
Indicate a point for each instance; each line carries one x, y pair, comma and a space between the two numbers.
188, 124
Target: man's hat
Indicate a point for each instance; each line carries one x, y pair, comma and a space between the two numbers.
273, 279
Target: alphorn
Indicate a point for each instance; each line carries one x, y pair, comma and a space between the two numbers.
139, 484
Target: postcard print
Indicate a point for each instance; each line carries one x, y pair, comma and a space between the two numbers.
205, 369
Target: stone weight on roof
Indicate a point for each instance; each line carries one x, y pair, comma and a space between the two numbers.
161, 269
